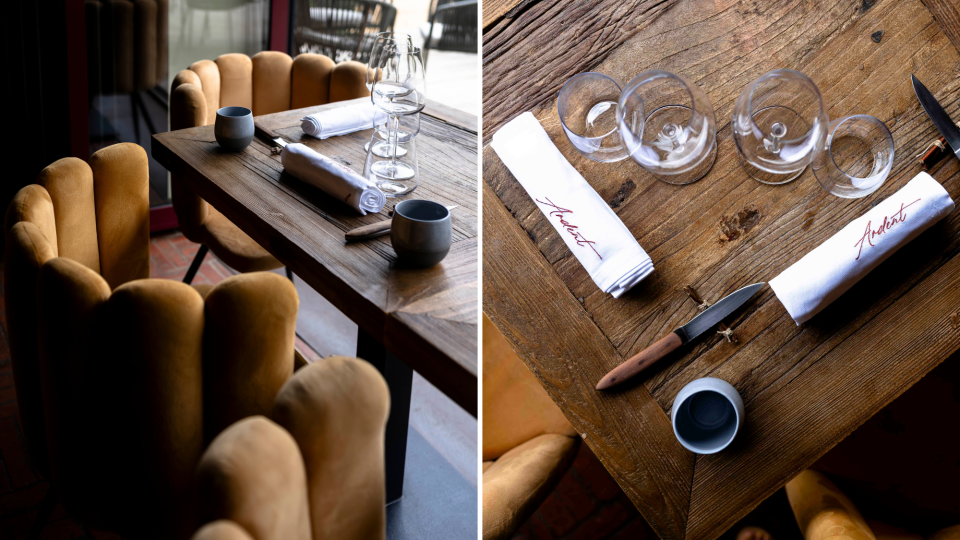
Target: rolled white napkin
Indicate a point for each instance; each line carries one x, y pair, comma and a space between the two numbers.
822, 275
592, 231
341, 120
338, 180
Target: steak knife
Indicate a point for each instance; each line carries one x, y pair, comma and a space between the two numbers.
935, 111
681, 336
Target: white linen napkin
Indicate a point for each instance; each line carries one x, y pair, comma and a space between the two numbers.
592, 231
338, 180
342, 120
822, 275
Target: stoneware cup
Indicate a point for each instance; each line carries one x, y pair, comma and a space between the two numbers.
706, 415
421, 232
234, 128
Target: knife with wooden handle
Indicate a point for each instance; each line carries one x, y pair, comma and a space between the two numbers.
272, 138
374, 230
681, 336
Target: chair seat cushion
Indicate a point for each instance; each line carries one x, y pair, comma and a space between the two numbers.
235, 247
517, 482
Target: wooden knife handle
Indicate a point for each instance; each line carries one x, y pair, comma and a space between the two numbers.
362, 233
265, 132
641, 361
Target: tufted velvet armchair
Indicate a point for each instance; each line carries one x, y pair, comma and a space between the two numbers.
269, 82
122, 380
527, 442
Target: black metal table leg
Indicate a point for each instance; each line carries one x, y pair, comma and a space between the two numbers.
399, 378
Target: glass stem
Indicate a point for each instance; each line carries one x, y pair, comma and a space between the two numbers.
396, 138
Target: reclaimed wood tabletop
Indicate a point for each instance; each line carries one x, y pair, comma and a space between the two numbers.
805, 387
426, 317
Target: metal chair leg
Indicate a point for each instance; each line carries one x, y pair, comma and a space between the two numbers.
289, 273
195, 265
46, 508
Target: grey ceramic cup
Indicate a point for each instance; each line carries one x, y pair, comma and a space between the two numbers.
234, 128
706, 415
421, 232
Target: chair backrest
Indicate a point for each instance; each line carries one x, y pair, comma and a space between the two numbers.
458, 22
269, 82
517, 408
316, 471
113, 370
96, 215
135, 383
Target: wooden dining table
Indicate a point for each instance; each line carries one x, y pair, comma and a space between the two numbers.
408, 318
805, 387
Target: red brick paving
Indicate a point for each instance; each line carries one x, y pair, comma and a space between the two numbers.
21, 488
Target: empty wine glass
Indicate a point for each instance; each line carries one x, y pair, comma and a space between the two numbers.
385, 40
667, 126
778, 122
406, 155
855, 158
587, 106
398, 91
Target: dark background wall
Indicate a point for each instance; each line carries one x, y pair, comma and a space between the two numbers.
36, 115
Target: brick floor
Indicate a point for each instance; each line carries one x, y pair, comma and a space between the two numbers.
21, 488
588, 504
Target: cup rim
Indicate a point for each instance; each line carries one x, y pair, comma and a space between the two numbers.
234, 111
398, 210
834, 126
698, 388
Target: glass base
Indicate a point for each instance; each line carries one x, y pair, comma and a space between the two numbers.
769, 178
392, 188
663, 125
393, 170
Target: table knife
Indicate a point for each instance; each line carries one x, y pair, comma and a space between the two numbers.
935, 111
681, 336
272, 138
374, 230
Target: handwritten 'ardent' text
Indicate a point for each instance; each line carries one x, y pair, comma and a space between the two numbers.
888, 222
578, 237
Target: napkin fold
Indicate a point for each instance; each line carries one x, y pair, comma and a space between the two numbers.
342, 120
592, 231
822, 275
338, 180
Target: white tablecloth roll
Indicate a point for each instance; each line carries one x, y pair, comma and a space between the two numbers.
592, 231
341, 120
822, 275
338, 180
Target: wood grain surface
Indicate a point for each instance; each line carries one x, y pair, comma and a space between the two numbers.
426, 317
805, 388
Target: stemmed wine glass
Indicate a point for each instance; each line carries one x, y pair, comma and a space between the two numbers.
399, 90
668, 127
778, 124
389, 41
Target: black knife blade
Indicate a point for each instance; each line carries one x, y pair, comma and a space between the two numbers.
940, 118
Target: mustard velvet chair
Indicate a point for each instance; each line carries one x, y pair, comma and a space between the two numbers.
269, 82
315, 471
528, 443
121, 380
824, 512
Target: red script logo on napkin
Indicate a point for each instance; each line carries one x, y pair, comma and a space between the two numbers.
571, 228
888, 223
